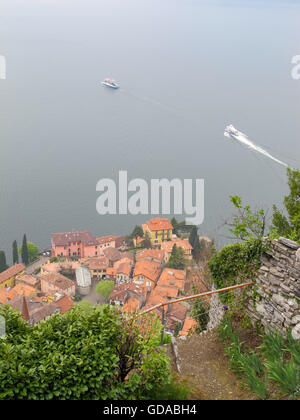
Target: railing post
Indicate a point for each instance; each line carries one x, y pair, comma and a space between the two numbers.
163, 326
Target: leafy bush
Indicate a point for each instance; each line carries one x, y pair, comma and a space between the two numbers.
82, 355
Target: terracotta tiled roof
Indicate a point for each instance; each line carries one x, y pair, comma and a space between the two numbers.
112, 254
132, 305
60, 281
65, 304
167, 291
167, 246
151, 254
24, 289
148, 269
106, 239
188, 325
159, 224
6, 295
124, 268
28, 279
97, 263
11, 272
64, 238
172, 277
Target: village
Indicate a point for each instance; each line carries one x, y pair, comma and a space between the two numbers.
141, 277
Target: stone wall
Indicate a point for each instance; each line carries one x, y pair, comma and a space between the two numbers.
275, 298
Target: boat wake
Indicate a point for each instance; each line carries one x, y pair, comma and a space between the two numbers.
232, 132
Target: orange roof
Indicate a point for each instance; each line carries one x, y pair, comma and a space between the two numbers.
172, 277
154, 254
148, 269
28, 279
132, 305
124, 268
6, 295
23, 289
159, 224
111, 271
167, 291
11, 271
106, 239
65, 304
182, 243
188, 325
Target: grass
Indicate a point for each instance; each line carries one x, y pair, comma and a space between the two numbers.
275, 363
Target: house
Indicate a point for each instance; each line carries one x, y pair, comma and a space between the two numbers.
158, 230
8, 277
106, 242
123, 271
119, 295
28, 279
64, 304
111, 241
33, 311
155, 255
97, 267
175, 316
146, 273
112, 255
167, 247
83, 280
74, 244
56, 282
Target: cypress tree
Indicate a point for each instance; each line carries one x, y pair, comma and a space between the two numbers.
15, 253
194, 241
3, 265
24, 253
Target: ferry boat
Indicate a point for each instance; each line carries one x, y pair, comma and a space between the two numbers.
110, 83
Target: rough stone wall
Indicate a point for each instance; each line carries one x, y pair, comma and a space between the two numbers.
275, 298
216, 311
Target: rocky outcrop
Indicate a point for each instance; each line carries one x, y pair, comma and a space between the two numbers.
275, 298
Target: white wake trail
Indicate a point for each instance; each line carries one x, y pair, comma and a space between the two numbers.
242, 138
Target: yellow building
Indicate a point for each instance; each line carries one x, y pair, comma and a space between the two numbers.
8, 277
158, 230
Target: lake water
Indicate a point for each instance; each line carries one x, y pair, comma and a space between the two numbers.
186, 67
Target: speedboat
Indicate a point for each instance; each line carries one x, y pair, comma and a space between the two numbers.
110, 83
230, 130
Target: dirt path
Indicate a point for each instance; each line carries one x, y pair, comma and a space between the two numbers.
205, 366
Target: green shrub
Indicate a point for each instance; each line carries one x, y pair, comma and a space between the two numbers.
94, 354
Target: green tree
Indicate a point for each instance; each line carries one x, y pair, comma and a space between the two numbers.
15, 252
104, 288
24, 251
3, 265
29, 251
146, 243
194, 241
247, 223
82, 356
177, 258
289, 226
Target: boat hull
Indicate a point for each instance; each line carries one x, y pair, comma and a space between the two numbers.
110, 86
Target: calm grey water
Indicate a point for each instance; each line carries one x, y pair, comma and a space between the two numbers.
187, 68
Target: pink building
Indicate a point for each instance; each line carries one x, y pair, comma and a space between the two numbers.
75, 244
